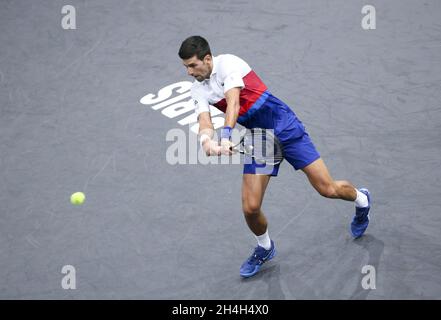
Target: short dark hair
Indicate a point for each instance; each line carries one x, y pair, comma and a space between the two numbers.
194, 45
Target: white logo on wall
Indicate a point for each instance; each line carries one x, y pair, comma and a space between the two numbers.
369, 20
368, 281
69, 280
69, 20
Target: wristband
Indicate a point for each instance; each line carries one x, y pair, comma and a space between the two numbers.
226, 133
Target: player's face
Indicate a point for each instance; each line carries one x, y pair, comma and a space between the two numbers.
199, 69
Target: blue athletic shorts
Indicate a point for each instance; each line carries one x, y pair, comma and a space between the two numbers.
271, 113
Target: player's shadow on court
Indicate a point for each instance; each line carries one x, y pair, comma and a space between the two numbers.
374, 248
271, 276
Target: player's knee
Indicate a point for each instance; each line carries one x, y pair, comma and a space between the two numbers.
328, 190
251, 208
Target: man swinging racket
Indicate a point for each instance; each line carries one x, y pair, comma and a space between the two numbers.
228, 83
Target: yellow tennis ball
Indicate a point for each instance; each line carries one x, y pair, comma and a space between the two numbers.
77, 198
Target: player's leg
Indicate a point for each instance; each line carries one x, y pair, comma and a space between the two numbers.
321, 180
302, 154
253, 190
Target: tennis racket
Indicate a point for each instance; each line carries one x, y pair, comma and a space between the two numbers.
262, 145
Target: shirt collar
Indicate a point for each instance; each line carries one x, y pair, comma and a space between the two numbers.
214, 70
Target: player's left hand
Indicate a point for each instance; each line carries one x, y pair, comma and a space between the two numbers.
226, 145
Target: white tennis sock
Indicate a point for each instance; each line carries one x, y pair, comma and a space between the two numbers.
362, 200
264, 240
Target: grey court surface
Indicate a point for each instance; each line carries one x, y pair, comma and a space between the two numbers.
71, 120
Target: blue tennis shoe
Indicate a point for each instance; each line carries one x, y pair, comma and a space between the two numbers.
253, 264
361, 219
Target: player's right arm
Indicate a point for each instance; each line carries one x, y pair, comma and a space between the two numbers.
206, 132
206, 129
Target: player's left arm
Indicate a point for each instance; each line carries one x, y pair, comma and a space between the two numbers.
233, 106
231, 115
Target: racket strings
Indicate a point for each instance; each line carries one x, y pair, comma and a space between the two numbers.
263, 146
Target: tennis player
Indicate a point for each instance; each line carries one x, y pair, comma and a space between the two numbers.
228, 83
